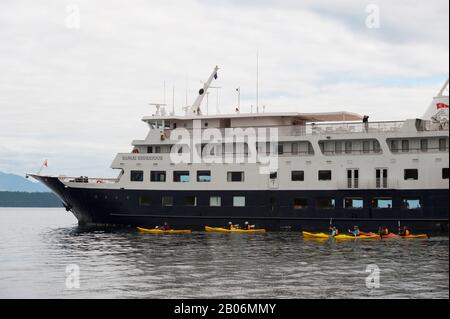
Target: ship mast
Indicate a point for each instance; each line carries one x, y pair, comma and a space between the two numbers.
195, 108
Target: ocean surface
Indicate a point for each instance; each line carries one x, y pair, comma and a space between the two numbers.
44, 254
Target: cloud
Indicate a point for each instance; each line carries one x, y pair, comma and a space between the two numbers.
76, 96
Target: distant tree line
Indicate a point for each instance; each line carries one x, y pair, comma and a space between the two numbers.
24, 199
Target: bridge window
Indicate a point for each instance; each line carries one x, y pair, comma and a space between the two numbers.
424, 145
157, 176
324, 175
136, 176
355, 203
366, 146
300, 203
348, 147
394, 146
442, 144
297, 176
235, 176
411, 174
181, 176
376, 146
405, 146
382, 203
338, 147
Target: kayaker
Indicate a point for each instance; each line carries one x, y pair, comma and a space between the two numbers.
333, 231
405, 232
246, 226
231, 226
355, 231
165, 226
383, 231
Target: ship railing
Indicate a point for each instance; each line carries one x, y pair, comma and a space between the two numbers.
312, 128
88, 180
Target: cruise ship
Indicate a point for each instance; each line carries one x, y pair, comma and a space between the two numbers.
279, 171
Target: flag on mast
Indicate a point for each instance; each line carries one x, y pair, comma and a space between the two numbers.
44, 164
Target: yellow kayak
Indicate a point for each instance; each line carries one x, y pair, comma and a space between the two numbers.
325, 236
224, 230
418, 236
315, 235
357, 237
160, 231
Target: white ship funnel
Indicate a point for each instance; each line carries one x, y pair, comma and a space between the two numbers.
438, 110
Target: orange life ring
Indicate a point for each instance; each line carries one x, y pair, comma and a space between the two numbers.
135, 150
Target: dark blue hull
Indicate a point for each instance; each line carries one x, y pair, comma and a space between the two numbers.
272, 210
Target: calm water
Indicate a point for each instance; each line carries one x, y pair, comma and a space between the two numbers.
36, 245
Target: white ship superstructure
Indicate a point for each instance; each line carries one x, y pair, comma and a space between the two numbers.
278, 170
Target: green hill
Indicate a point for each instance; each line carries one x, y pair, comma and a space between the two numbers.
24, 199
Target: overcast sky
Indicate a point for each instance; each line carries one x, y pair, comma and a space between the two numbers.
74, 90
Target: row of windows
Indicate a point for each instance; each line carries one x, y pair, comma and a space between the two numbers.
205, 176
297, 203
404, 145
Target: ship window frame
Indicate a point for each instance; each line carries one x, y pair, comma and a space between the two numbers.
230, 176
218, 202
133, 176
189, 203
410, 174
178, 176
338, 147
405, 203
360, 199
366, 146
166, 200
442, 145
146, 202
299, 206
331, 200
158, 180
203, 173
323, 178
405, 146
394, 146
301, 176
239, 204
424, 145
377, 199
445, 173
